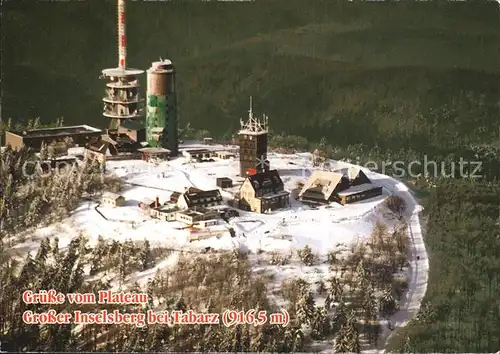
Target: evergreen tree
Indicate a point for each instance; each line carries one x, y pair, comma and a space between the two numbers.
388, 304
305, 307
352, 335
122, 266
55, 250
43, 252
146, 257
340, 317
334, 293
44, 152
369, 304
28, 272
180, 305
320, 324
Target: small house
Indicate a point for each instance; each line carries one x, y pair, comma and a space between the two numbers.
147, 204
207, 223
197, 154
322, 188
359, 192
263, 191
196, 198
191, 217
113, 199
224, 182
224, 155
154, 153
166, 212
347, 185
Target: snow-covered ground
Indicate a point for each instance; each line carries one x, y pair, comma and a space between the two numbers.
419, 261
324, 229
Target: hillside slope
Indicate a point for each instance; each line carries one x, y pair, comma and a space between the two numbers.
399, 74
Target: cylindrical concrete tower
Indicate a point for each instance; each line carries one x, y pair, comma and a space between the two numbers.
161, 114
122, 100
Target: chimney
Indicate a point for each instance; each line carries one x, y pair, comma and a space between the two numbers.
157, 202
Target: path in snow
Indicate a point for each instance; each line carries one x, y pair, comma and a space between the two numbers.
146, 186
186, 175
419, 262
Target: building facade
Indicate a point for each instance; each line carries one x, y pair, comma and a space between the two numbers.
191, 217
194, 198
322, 188
345, 185
80, 135
112, 199
252, 142
161, 115
262, 192
151, 154
358, 193
197, 154
224, 182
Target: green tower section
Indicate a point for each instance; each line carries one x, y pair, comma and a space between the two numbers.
161, 122
161, 109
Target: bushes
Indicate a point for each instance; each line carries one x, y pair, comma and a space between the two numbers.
279, 259
397, 205
307, 256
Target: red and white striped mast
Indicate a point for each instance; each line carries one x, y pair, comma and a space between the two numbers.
122, 39
122, 101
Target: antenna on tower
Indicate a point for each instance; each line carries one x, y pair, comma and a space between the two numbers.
122, 39
250, 113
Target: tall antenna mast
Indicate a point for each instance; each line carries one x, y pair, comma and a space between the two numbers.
122, 39
250, 114
121, 101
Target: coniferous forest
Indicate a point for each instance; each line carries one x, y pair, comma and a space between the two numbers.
208, 282
378, 81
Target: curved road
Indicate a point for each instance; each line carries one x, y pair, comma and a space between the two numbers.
419, 262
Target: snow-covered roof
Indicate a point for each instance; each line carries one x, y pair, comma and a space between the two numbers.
154, 150
196, 151
266, 179
225, 153
165, 208
349, 172
357, 189
110, 195
147, 201
324, 180
195, 196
